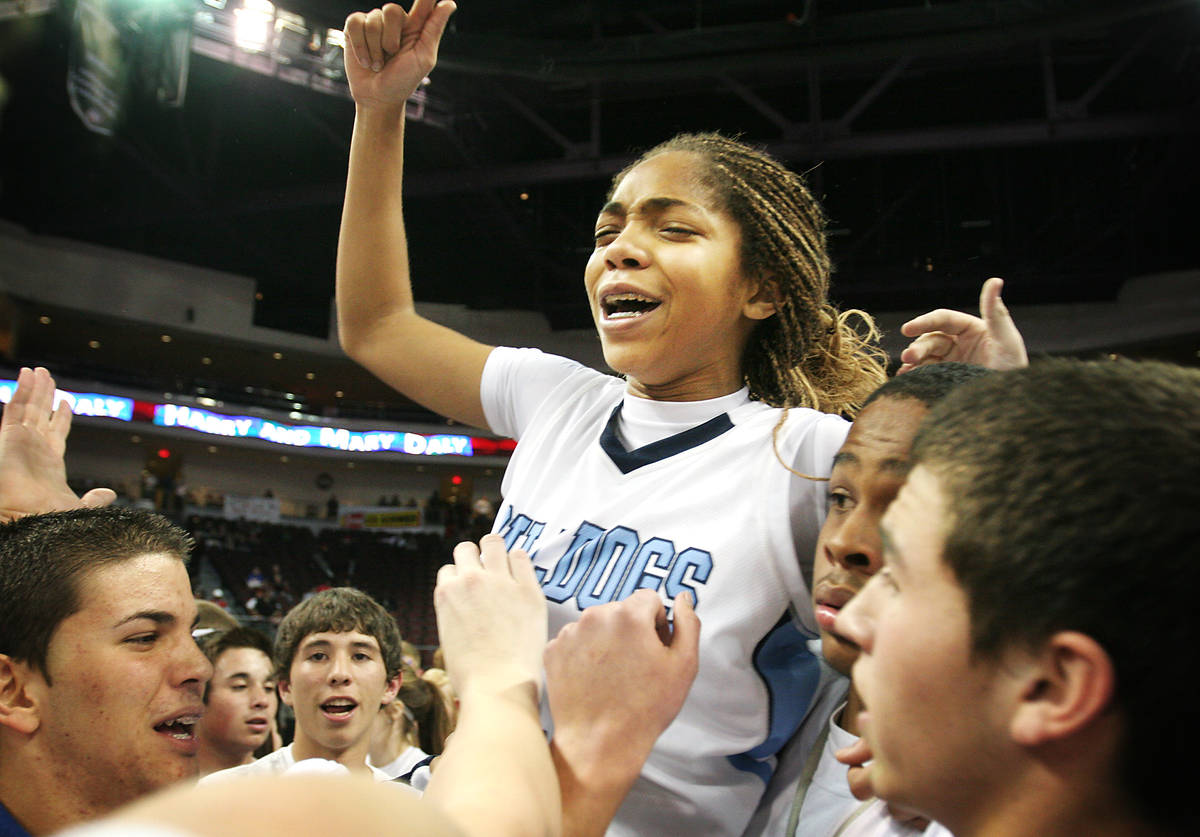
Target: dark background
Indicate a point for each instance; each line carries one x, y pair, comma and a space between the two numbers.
1049, 142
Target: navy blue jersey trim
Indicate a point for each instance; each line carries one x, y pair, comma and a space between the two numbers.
407, 777
631, 460
9, 827
791, 673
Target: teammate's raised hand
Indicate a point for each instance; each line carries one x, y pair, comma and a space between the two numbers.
990, 340
389, 51
33, 440
491, 618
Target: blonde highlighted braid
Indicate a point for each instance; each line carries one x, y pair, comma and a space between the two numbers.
809, 354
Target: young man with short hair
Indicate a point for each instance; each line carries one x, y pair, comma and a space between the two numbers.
100, 679
240, 700
1039, 585
337, 659
808, 793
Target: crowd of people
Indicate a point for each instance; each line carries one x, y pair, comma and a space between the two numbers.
752, 586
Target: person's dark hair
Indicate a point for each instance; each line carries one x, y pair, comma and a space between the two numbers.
808, 354
428, 707
338, 610
930, 383
215, 644
45, 557
1072, 498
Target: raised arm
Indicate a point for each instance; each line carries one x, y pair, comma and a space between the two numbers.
495, 776
616, 679
990, 340
33, 441
388, 53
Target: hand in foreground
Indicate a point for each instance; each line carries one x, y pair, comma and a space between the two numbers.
990, 340
389, 51
491, 618
621, 669
615, 679
33, 440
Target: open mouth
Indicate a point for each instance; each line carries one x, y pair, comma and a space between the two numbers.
182, 728
627, 305
338, 707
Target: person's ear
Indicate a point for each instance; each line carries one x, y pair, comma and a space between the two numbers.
1068, 684
284, 686
764, 301
393, 688
20, 707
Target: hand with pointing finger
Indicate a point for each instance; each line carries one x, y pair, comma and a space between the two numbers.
990, 340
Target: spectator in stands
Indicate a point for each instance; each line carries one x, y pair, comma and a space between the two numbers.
1039, 585
255, 578
337, 659
240, 700
100, 679
411, 657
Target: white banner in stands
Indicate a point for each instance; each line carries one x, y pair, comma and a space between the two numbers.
261, 509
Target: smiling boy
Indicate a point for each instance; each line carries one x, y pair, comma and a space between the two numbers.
100, 680
338, 659
1040, 584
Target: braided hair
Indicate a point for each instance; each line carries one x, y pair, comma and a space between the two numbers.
809, 354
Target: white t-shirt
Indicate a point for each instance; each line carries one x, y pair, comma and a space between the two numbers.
282, 761
610, 493
403, 763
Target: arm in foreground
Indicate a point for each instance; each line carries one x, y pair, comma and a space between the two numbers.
495, 776
990, 340
388, 53
255, 806
615, 679
33, 442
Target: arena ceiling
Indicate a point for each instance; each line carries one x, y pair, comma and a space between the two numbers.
1047, 141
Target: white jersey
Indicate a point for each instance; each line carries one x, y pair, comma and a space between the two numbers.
403, 764
827, 807
282, 761
871, 819
827, 798
610, 493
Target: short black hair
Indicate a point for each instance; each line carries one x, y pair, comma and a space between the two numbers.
1072, 493
43, 557
929, 383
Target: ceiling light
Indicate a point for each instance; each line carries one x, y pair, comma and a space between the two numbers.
252, 25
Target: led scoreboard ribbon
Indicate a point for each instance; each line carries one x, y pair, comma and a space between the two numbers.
266, 430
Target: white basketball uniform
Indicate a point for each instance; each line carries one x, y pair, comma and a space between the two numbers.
610, 493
